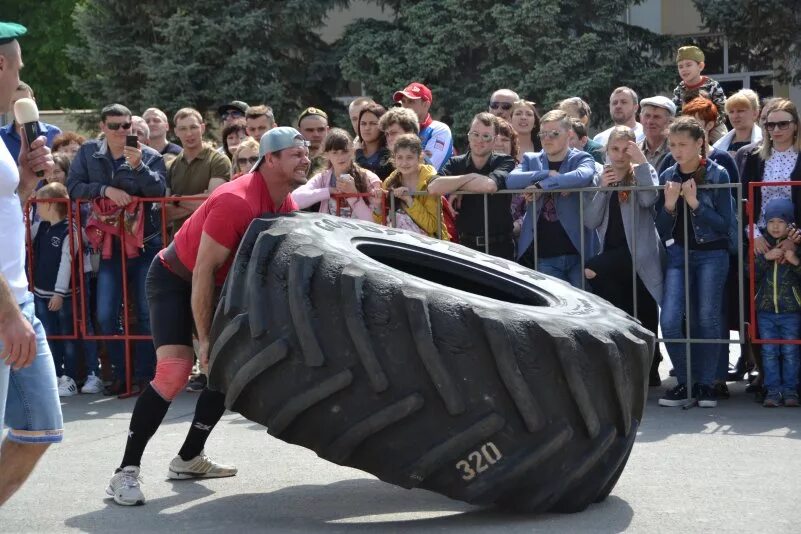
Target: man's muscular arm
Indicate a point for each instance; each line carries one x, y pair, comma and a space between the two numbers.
16, 333
210, 257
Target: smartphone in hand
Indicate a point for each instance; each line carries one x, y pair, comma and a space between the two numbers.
132, 141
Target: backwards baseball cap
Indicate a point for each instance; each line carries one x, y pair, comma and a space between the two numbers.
9, 31
690, 52
779, 208
277, 139
415, 91
234, 105
659, 102
312, 111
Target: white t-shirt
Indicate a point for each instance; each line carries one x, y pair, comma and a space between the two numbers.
603, 137
12, 228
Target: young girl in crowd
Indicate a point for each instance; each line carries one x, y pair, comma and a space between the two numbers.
624, 223
343, 175
417, 213
373, 154
526, 122
245, 157
507, 142
707, 217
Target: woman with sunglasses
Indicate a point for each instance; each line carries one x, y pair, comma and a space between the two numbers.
245, 157
342, 176
526, 122
774, 160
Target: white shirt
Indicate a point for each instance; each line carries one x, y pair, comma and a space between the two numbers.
603, 137
12, 228
778, 168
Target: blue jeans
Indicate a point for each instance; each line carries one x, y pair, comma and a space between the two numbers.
30, 394
59, 323
109, 308
707, 277
567, 268
780, 377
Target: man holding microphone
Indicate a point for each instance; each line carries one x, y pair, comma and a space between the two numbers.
30, 401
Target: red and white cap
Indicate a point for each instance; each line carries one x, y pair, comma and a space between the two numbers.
415, 91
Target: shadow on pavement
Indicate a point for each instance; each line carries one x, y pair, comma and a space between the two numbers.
356, 504
737, 416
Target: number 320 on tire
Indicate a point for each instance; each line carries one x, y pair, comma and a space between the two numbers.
479, 461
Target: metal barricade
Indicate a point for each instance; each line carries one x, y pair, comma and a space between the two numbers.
79, 290
752, 221
388, 217
634, 191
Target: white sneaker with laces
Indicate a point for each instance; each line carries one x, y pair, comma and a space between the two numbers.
124, 487
92, 385
201, 466
67, 386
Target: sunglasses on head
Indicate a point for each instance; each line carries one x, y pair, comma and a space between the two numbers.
552, 134
245, 161
117, 125
781, 125
506, 106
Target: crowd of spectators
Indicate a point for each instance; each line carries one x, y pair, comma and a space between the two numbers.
636, 245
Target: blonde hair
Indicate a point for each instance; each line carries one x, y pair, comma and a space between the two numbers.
187, 112
767, 142
246, 143
744, 98
621, 132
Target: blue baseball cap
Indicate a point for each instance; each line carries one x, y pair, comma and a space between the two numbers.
277, 139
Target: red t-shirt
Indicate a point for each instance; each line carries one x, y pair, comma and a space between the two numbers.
225, 216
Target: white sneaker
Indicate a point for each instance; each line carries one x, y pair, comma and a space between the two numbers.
67, 386
92, 385
200, 466
124, 487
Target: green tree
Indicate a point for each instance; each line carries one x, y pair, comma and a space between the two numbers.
44, 50
771, 28
169, 54
545, 50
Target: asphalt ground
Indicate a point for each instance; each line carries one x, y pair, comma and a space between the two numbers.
729, 469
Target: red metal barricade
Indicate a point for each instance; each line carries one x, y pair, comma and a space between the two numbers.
80, 307
750, 208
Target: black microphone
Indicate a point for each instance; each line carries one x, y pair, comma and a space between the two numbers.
27, 114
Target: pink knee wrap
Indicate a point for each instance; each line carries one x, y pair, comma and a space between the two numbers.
172, 375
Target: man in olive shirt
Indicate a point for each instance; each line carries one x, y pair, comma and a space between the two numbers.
480, 170
197, 170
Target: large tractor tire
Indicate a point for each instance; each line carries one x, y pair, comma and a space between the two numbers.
428, 364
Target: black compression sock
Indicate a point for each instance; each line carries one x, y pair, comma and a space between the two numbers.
210, 407
147, 415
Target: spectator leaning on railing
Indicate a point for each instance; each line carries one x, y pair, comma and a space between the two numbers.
416, 213
558, 233
107, 170
624, 222
710, 218
480, 170
343, 176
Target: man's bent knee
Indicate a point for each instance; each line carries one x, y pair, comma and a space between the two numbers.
172, 375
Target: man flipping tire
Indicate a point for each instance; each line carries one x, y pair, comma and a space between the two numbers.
181, 290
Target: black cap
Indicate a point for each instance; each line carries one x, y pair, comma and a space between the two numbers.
234, 105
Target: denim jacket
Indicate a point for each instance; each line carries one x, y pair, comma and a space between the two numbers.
92, 171
714, 218
577, 170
